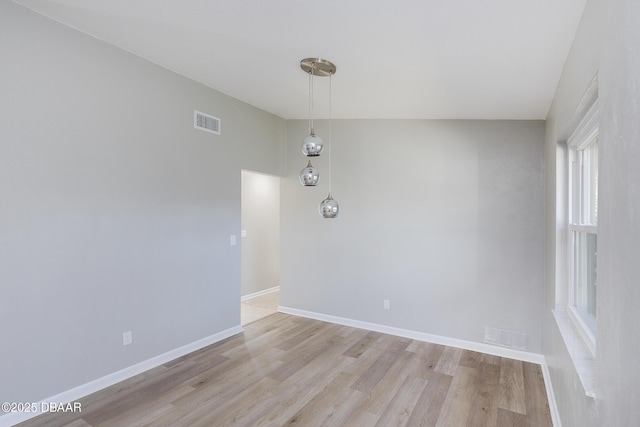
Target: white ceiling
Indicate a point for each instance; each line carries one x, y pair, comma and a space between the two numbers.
397, 59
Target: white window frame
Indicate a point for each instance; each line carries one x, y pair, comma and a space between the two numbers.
579, 219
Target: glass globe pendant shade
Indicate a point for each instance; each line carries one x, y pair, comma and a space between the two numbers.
309, 176
328, 208
312, 145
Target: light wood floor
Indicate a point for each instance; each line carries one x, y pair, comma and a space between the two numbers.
287, 370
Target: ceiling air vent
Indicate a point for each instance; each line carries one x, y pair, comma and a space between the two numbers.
206, 122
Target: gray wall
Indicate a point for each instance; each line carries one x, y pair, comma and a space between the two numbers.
116, 213
261, 221
443, 218
606, 42
617, 361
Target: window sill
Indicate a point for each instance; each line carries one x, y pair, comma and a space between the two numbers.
581, 357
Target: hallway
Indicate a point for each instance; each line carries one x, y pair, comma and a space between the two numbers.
259, 307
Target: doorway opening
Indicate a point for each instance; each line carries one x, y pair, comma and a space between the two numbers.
260, 245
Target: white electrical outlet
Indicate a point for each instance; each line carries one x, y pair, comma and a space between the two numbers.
387, 304
127, 338
232, 240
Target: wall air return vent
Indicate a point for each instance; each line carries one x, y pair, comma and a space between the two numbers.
206, 122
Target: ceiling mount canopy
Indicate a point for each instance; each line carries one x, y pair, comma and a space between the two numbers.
318, 67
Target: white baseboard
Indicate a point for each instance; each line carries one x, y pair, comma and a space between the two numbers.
551, 397
83, 390
420, 336
260, 293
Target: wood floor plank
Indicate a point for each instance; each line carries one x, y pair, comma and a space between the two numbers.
224, 385
471, 359
235, 369
301, 355
164, 381
512, 396
399, 410
346, 331
457, 404
318, 337
332, 406
490, 358
252, 345
286, 370
449, 360
299, 389
60, 420
429, 405
148, 411
370, 355
484, 406
363, 419
357, 349
300, 334
536, 399
379, 368
388, 386
429, 354
78, 423
235, 411
508, 418
301, 386
174, 418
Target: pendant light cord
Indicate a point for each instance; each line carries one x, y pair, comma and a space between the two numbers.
311, 131
330, 142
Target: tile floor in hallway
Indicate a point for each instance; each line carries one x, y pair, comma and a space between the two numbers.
259, 307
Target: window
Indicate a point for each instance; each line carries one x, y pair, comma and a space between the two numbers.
583, 226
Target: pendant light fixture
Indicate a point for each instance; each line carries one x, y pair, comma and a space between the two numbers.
309, 176
313, 145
